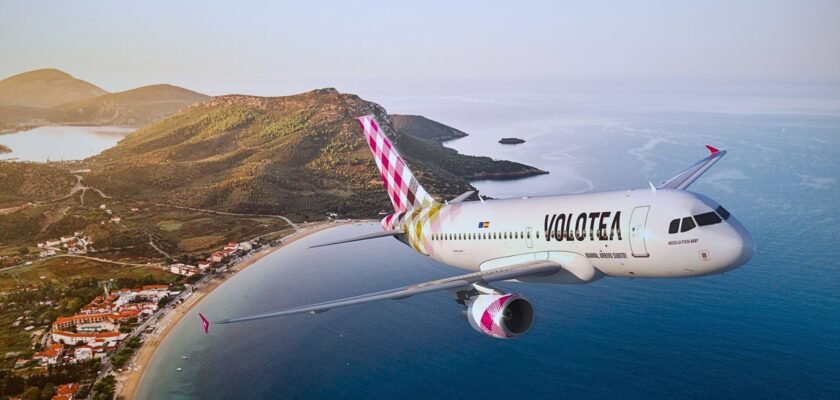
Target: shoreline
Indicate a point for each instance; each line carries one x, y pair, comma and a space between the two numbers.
128, 381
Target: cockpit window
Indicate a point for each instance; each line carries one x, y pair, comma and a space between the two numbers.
722, 212
687, 224
675, 226
708, 218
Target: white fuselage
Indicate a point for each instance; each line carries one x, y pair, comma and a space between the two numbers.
619, 233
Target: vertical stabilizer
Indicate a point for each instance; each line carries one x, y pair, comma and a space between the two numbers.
402, 187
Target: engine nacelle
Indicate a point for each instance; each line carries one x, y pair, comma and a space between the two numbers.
500, 315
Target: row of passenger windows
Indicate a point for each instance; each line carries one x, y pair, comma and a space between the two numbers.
483, 235
514, 235
688, 223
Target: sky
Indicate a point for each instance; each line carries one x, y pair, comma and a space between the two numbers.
276, 48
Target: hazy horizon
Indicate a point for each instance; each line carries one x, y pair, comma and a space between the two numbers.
275, 49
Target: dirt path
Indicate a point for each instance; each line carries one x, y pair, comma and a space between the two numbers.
288, 221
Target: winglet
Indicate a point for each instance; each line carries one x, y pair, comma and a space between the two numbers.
204, 323
712, 149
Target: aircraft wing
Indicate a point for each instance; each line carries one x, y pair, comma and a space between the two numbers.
499, 274
687, 177
374, 235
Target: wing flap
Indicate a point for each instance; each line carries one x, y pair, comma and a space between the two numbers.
505, 273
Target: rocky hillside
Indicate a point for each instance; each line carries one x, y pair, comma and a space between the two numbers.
45, 88
134, 107
424, 128
299, 155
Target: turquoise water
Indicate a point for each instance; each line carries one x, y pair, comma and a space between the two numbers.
770, 329
61, 143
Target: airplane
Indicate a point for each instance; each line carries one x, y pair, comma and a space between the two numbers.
663, 231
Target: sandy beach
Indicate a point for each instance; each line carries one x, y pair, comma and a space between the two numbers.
129, 379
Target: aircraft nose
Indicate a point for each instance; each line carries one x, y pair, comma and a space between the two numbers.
747, 249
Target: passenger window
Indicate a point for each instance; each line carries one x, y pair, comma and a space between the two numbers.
675, 226
708, 218
687, 224
538, 234
528, 235
723, 213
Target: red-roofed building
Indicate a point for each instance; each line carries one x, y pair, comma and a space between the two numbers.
51, 355
66, 392
87, 337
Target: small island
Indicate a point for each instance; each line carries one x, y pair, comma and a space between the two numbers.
511, 141
5, 149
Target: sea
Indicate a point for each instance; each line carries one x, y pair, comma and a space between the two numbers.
770, 329
61, 143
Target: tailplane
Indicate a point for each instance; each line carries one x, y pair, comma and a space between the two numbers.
402, 187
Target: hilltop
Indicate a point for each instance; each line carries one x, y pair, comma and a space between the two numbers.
50, 96
45, 88
424, 128
299, 155
135, 107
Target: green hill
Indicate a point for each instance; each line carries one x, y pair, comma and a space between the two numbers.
424, 128
134, 107
298, 155
45, 88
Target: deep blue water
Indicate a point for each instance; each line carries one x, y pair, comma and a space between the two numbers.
770, 329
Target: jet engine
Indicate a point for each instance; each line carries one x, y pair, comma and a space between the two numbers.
500, 315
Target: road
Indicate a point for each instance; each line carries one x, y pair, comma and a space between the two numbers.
288, 221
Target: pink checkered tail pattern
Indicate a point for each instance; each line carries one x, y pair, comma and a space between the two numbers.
402, 187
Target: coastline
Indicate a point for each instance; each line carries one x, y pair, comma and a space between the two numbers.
128, 381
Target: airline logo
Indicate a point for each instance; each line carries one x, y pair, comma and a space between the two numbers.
483, 224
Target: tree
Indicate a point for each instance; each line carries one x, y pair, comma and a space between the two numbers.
23, 250
47, 391
31, 393
104, 389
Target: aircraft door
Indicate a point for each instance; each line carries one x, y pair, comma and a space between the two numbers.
528, 241
638, 219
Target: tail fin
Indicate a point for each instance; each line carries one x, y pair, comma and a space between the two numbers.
403, 189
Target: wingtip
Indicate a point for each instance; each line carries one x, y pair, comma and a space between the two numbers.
204, 323
712, 149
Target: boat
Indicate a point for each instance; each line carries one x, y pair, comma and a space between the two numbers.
178, 369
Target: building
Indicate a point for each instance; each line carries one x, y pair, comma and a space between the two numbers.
90, 321
47, 253
217, 256
203, 265
53, 243
245, 246
90, 338
51, 355
183, 269
232, 247
66, 392
116, 219
83, 353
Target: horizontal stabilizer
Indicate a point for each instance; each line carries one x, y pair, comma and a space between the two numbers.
374, 235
